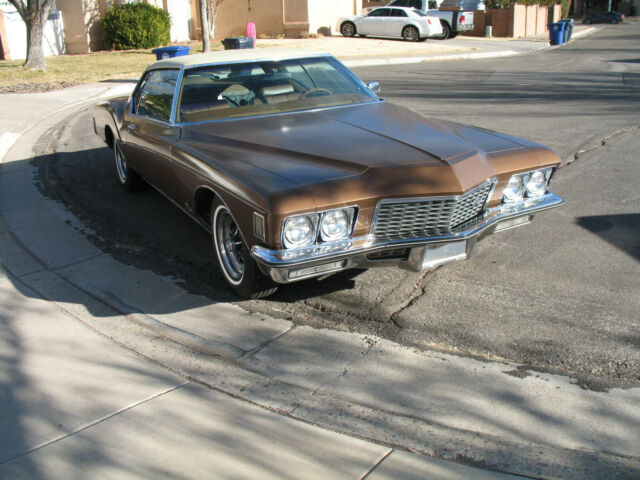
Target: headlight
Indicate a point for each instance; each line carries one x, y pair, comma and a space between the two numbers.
335, 225
514, 191
299, 230
537, 184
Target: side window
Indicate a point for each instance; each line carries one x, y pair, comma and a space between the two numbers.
155, 96
380, 12
398, 13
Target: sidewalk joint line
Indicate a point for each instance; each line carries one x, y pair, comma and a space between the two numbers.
384, 457
96, 422
264, 344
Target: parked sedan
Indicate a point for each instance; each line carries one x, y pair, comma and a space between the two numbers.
407, 23
298, 169
605, 17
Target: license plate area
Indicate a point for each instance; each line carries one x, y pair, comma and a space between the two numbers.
435, 255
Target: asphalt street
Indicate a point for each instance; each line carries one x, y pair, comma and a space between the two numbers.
560, 294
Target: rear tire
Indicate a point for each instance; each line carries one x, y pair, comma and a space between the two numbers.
446, 31
129, 179
239, 269
348, 29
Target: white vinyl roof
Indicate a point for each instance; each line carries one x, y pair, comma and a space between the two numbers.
236, 55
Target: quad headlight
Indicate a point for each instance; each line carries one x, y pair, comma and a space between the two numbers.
299, 230
318, 228
529, 184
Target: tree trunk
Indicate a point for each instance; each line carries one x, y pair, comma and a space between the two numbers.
34, 14
206, 41
35, 52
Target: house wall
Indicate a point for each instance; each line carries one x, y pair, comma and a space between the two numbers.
4, 40
82, 24
234, 15
324, 14
515, 22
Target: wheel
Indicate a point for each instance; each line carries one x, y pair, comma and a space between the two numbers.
348, 29
588, 22
128, 178
446, 30
240, 270
410, 33
310, 92
614, 21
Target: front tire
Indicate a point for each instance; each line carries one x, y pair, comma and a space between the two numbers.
348, 29
128, 178
240, 270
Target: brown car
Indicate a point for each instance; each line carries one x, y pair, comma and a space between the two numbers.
299, 170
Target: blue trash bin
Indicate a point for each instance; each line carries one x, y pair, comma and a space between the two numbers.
556, 33
170, 52
568, 28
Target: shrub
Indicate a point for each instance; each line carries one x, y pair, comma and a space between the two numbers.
136, 25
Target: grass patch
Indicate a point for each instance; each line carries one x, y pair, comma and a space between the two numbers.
66, 70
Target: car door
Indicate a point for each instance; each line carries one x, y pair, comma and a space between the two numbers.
374, 23
147, 130
396, 22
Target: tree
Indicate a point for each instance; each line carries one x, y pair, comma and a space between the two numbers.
213, 6
34, 13
206, 39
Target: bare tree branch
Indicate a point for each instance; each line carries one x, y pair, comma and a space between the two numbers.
21, 8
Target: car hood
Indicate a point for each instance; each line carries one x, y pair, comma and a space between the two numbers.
370, 149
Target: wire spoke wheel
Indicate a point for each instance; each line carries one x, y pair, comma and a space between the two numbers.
230, 246
121, 163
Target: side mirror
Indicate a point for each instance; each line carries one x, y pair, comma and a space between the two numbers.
374, 87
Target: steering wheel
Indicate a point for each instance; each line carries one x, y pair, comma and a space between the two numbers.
324, 91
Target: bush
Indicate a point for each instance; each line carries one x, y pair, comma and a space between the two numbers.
136, 25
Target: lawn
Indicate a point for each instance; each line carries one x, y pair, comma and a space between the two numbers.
67, 70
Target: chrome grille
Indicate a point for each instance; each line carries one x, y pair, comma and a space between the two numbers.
424, 217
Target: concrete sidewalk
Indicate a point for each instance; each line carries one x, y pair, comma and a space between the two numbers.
111, 371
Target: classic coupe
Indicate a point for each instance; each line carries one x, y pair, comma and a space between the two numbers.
298, 169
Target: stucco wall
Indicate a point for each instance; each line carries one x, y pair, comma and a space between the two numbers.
82, 24
233, 16
324, 14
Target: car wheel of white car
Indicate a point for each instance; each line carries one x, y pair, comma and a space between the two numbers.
240, 270
128, 179
348, 29
410, 34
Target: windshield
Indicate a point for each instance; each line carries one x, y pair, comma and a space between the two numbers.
264, 87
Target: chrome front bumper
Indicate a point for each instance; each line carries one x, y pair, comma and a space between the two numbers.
286, 266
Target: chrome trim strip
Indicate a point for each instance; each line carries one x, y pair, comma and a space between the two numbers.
286, 259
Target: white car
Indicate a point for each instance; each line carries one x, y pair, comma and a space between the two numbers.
412, 25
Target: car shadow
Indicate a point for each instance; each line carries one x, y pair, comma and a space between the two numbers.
619, 230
